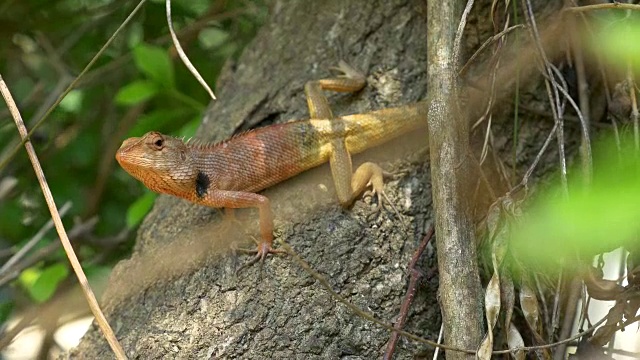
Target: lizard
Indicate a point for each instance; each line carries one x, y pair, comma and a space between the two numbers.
230, 174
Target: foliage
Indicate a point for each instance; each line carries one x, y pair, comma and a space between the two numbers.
617, 38
589, 221
138, 85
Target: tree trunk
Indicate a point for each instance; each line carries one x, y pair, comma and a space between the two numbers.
179, 297
451, 170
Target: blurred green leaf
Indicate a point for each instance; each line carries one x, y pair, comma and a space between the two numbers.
617, 38
29, 276
72, 102
140, 208
11, 220
135, 36
6, 308
190, 128
212, 37
47, 282
154, 62
187, 100
74, 147
136, 92
163, 120
590, 221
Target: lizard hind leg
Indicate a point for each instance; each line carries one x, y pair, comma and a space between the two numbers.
350, 80
370, 174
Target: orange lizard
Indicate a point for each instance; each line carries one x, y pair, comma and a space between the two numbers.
231, 173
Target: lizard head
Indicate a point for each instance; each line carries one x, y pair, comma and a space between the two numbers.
163, 163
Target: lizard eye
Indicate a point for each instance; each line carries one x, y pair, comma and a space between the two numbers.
158, 143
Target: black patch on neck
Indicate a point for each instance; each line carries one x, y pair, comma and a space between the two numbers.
202, 184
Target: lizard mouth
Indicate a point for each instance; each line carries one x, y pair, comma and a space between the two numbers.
126, 146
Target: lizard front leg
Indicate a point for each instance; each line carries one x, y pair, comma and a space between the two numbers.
349, 185
240, 200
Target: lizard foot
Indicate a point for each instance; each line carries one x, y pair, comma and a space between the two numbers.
377, 191
381, 198
262, 250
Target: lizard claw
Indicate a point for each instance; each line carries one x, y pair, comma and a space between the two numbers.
347, 71
379, 196
262, 250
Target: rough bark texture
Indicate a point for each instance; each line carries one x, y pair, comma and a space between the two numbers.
452, 181
178, 296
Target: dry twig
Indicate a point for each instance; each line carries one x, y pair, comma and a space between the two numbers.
75, 264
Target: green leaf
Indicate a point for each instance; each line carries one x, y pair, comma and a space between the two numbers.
135, 36
139, 209
590, 220
189, 129
72, 102
6, 308
212, 37
617, 39
47, 283
136, 92
155, 63
163, 120
28, 277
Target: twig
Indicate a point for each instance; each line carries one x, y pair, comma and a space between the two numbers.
587, 161
613, 5
414, 277
627, 323
107, 160
555, 315
583, 98
117, 63
634, 108
71, 86
34, 240
440, 334
43, 253
554, 98
183, 56
571, 307
75, 264
525, 179
52, 55
545, 308
363, 314
488, 42
458, 39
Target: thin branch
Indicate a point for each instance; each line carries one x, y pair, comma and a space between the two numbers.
583, 98
183, 56
614, 5
75, 264
488, 42
45, 252
525, 179
71, 86
440, 335
554, 98
359, 312
458, 39
365, 315
33, 241
414, 277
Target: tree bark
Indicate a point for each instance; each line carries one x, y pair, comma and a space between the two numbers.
178, 295
451, 174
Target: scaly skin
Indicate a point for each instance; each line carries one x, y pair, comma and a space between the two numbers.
229, 174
